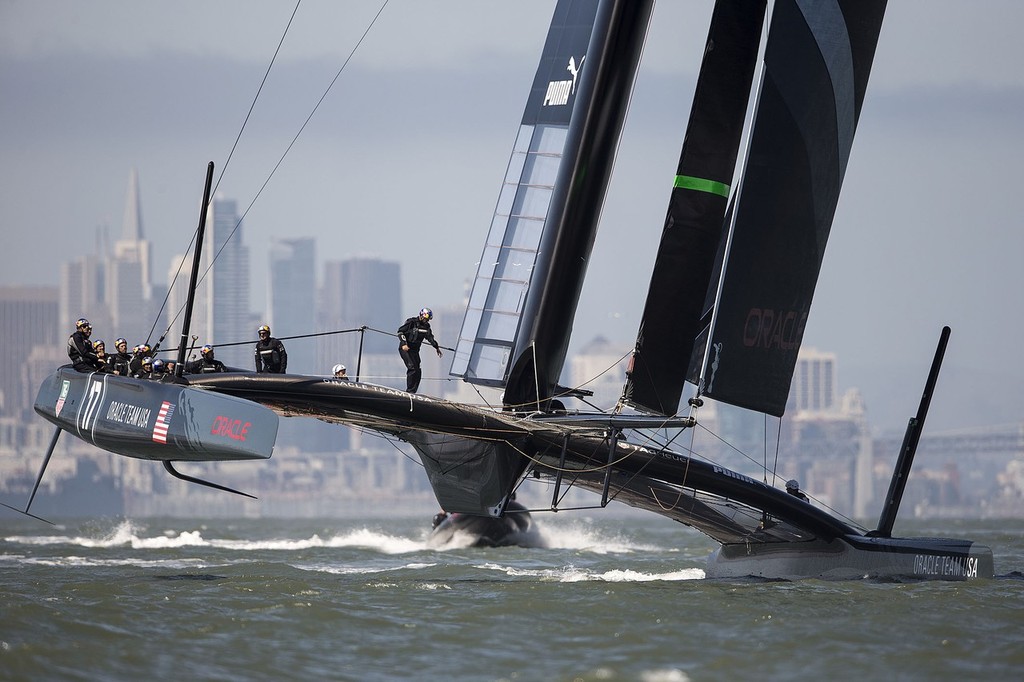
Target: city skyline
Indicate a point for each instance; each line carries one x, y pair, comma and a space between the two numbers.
405, 157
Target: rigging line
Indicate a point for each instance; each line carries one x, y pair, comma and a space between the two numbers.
390, 440
604, 371
729, 445
256, 98
294, 140
221, 176
764, 455
582, 470
639, 472
778, 440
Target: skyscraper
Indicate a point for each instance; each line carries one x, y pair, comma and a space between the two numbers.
225, 286
129, 275
814, 387
292, 304
28, 318
362, 292
83, 294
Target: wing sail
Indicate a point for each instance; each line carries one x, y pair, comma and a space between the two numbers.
517, 327
518, 228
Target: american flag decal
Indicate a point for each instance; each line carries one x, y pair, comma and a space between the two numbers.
163, 422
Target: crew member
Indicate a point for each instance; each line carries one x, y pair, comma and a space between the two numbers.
206, 363
340, 372
411, 334
271, 357
145, 368
121, 360
80, 350
139, 353
100, 349
793, 488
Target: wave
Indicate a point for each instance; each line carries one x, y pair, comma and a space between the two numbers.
573, 574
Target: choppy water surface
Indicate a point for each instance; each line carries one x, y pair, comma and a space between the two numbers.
599, 598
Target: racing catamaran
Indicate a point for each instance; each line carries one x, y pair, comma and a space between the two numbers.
730, 293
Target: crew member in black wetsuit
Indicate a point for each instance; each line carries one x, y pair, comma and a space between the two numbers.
80, 350
101, 355
139, 353
411, 335
206, 364
120, 361
271, 357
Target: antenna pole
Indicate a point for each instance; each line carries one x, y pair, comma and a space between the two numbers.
187, 322
909, 447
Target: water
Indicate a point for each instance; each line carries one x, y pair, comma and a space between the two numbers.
605, 598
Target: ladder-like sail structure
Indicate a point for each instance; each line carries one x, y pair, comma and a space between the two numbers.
517, 325
817, 62
695, 221
518, 228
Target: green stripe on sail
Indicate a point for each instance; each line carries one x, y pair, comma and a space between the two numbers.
702, 185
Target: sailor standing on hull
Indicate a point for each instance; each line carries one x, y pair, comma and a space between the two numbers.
271, 357
411, 335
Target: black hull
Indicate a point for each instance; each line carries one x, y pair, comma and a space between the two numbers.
153, 420
764, 531
466, 530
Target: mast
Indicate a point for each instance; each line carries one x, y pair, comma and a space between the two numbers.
909, 448
200, 231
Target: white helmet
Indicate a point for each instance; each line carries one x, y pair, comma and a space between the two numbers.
338, 368
426, 313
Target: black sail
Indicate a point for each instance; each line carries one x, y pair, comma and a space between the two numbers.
817, 62
694, 223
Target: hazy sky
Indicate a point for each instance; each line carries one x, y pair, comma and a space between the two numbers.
405, 156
